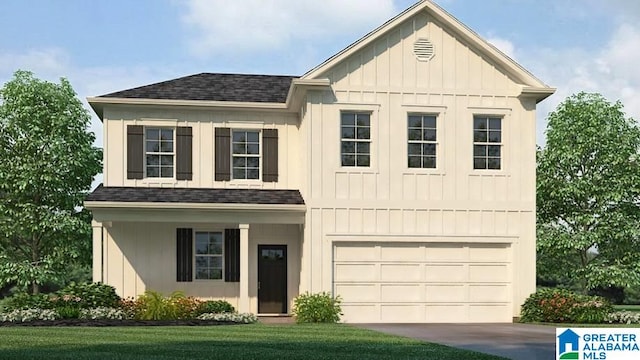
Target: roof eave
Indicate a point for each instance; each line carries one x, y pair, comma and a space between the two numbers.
98, 103
92, 205
539, 93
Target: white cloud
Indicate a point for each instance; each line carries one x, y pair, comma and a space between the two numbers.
610, 70
503, 45
258, 25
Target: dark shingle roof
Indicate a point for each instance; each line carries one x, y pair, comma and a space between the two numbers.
215, 87
197, 196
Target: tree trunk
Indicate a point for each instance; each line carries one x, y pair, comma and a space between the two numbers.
35, 254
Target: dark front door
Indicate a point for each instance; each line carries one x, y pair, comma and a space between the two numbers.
272, 279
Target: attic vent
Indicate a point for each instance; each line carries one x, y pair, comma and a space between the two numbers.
423, 48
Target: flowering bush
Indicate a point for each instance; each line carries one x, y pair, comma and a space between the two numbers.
102, 313
564, 306
317, 308
623, 317
243, 318
25, 315
90, 295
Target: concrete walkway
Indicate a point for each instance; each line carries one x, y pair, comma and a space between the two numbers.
512, 341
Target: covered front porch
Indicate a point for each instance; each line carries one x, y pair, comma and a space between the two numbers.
245, 253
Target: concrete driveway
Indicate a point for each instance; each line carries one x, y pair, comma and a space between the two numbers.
513, 341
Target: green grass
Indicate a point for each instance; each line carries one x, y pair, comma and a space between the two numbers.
256, 341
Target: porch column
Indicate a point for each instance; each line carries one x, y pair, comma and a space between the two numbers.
97, 251
243, 303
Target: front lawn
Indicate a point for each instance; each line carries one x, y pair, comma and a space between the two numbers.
255, 341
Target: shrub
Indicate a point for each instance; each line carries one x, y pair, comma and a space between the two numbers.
23, 301
317, 308
185, 307
243, 318
624, 317
25, 315
564, 306
215, 307
101, 313
152, 305
130, 308
91, 295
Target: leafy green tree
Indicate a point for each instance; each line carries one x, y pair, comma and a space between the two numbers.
587, 195
47, 164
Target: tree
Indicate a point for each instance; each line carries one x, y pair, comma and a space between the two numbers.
47, 164
587, 195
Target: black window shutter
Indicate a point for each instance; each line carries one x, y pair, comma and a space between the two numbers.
232, 255
184, 251
135, 152
270, 155
184, 153
223, 154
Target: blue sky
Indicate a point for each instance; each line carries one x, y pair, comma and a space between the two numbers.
104, 46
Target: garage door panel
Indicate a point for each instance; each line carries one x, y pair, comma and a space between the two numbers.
488, 293
404, 252
418, 282
444, 252
360, 313
401, 272
407, 313
446, 293
488, 253
488, 273
401, 293
359, 292
355, 253
446, 273
355, 272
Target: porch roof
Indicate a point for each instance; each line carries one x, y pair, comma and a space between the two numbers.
195, 196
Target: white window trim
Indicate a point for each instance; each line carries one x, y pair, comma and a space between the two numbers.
505, 115
259, 156
195, 267
173, 153
373, 110
440, 112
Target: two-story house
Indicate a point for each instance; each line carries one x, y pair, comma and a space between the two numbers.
398, 174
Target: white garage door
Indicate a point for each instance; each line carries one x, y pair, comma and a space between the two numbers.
423, 282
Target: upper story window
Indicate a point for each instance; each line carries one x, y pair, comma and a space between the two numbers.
487, 142
422, 136
355, 128
159, 147
246, 154
208, 256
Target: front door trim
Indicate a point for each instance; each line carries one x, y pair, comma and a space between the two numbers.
272, 279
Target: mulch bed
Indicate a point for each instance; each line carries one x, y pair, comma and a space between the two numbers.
100, 323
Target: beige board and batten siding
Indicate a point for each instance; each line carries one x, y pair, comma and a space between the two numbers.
203, 123
390, 202
140, 256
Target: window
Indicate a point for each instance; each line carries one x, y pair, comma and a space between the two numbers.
487, 142
355, 139
246, 154
422, 141
208, 255
159, 152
